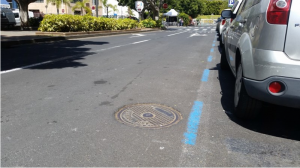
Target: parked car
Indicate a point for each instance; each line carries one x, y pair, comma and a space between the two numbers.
7, 18
234, 10
17, 16
218, 24
263, 53
222, 23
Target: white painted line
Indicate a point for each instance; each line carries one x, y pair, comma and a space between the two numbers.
196, 34
176, 33
33, 65
64, 58
212, 29
196, 29
136, 35
204, 29
140, 41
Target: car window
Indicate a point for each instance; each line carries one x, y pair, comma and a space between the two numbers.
250, 3
16, 15
242, 7
234, 6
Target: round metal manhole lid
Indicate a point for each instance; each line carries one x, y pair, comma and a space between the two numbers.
148, 116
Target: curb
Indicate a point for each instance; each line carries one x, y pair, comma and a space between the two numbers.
59, 36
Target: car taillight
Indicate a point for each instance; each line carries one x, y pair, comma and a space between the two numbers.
276, 87
231, 20
223, 21
278, 11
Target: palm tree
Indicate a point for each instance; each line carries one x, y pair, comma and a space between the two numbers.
114, 7
58, 3
104, 2
81, 5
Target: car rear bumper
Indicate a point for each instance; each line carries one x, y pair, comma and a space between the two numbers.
290, 97
261, 64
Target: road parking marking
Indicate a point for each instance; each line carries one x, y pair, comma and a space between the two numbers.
137, 35
140, 41
190, 136
205, 75
176, 33
212, 50
209, 59
213, 45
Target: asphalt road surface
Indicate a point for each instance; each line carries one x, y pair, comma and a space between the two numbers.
59, 103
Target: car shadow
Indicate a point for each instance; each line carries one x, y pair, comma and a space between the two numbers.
273, 120
62, 54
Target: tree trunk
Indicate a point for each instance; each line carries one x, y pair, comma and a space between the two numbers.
24, 14
107, 12
57, 11
81, 12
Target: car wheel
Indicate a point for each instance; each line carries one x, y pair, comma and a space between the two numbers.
220, 41
223, 62
245, 106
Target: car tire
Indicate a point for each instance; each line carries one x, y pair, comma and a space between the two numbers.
220, 41
223, 62
245, 106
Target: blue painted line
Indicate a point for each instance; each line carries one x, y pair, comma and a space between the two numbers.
213, 45
190, 136
205, 75
212, 50
209, 59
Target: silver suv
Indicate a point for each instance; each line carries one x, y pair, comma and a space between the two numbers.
262, 49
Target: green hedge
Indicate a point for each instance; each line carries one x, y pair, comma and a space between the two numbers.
76, 23
148, 23
186, 18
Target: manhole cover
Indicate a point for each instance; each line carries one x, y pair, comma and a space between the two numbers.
148, 115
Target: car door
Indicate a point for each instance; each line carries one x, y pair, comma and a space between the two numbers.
233, 35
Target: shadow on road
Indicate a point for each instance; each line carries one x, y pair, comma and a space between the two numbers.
273, 120
25, 55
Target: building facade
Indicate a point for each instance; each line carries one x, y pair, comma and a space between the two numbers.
41, 6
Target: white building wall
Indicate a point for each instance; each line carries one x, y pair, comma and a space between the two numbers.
122, 10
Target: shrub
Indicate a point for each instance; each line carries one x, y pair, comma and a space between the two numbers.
76, 23
149, 23
186, 18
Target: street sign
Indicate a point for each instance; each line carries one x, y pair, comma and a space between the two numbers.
139, 6
230, 3
93, 7
165, 6
63, 10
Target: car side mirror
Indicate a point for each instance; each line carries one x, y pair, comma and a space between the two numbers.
227, 14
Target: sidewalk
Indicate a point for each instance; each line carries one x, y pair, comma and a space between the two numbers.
18, 37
